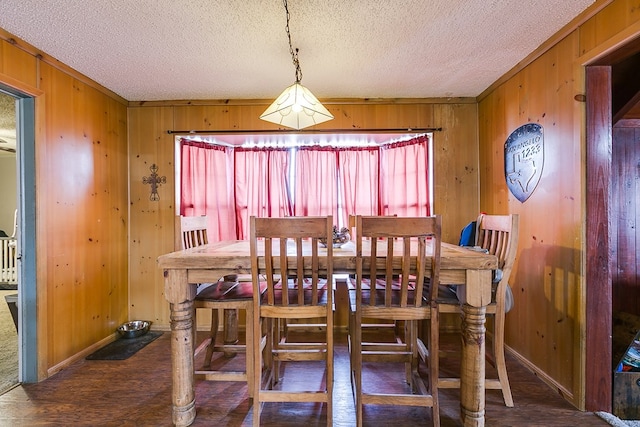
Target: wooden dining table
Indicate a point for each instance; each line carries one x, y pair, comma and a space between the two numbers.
208, 263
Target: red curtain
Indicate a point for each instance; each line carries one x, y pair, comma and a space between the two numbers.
404, 178
207, 178
261, 185
231, 184
358, 174
315, 182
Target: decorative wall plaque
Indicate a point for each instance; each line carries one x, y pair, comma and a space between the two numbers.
154, 181
523, 160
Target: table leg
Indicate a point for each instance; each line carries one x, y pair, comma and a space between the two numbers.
472, 370
180, 295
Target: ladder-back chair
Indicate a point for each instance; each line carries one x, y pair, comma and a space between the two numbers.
285, 253
497, 235
227, 295
403, 260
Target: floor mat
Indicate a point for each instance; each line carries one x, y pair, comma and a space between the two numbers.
123, 348
617, 422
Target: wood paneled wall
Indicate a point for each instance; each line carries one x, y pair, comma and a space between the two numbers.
625, 206
82, 193
546, 328
152, 223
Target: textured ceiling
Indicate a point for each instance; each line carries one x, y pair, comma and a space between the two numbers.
205, 49
238, 49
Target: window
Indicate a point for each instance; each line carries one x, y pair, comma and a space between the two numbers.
229, 184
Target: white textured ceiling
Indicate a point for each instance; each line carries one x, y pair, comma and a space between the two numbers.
147, 50
237, 49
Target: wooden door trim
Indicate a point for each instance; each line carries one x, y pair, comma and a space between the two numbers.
598, 341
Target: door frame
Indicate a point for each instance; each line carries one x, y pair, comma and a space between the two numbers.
597, 234
26, 232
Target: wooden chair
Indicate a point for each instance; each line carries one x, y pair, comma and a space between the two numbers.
284, 253
227, 295
404, 259
498, 235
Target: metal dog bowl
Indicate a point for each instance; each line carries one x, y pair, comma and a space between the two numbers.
134, 329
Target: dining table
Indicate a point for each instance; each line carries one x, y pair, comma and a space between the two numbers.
184, 269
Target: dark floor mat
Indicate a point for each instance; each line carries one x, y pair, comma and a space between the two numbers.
123, 348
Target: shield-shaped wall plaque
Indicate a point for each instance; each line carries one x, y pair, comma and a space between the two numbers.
523, 160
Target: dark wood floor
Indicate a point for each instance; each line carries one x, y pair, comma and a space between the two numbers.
137, 392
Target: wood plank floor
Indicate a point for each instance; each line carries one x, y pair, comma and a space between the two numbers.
137, 392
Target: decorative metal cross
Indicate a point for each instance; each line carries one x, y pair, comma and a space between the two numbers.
154, 180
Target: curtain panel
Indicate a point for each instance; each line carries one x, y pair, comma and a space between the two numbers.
359, 176
316, 184
261, 185
207, 186
404, 178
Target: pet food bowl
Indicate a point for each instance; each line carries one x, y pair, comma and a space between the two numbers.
134, 329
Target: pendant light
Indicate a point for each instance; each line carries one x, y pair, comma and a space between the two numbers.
296, 107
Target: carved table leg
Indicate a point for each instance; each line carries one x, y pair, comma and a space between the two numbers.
180, 295
472, 371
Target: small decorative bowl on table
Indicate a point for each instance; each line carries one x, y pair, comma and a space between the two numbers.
134, 329
340, 237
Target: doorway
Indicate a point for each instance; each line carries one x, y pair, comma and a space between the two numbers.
612, 216
25, 232
8, 244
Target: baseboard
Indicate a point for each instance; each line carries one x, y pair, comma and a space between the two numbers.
81, 355
563, 391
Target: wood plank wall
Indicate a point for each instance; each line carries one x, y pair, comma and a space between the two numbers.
625, 205
546, 327
152, 223
82, 195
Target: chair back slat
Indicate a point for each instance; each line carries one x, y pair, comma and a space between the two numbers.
499, 235
401, 255
193, 231
268, 259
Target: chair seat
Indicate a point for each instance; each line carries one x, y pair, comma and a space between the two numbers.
380, 301
380, 283
293, 295
446, 295
395, 287
228, 291
306, 284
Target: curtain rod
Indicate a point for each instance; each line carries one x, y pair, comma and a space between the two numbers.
359, 130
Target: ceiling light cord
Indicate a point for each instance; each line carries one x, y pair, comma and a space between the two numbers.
296, 107
294, 53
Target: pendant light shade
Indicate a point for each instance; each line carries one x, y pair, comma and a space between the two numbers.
296, 108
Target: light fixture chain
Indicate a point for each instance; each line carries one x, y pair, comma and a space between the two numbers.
294, 54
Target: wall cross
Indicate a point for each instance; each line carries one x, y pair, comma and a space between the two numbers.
154, 180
